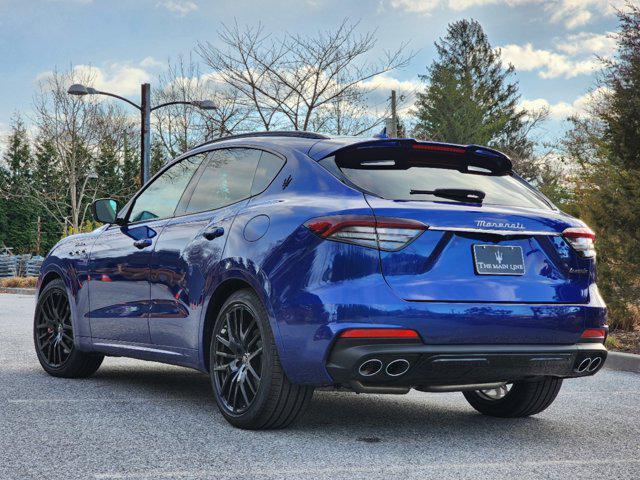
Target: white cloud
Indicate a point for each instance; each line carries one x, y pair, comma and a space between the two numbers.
380, 89
150, 62
179, 7
585, 42
563, 110
119, 78
573, 13
551, 64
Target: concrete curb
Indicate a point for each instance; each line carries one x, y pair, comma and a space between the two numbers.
18, 291
624, 362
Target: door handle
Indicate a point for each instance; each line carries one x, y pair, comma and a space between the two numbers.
213, 232
144, 243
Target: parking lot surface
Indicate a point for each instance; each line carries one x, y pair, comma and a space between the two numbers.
141, 420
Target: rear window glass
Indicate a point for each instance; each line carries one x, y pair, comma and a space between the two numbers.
384, 179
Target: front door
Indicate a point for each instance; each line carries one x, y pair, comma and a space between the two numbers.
119, 288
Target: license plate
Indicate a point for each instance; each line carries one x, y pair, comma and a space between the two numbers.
498, 260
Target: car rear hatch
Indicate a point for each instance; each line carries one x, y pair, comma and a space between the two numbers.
506, 247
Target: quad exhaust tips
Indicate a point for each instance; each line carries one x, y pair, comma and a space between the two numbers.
589, 365
374, 366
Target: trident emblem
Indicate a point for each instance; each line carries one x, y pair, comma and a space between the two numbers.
499, 257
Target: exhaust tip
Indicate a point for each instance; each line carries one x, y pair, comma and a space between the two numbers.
595, 363
397, 367
370, 367
584, 364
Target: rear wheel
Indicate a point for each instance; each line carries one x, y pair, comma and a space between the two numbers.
250, 388
519, 399
53, 336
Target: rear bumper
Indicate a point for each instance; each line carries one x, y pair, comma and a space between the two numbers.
455, 367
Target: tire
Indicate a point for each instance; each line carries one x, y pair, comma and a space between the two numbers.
524, 399
54, 339
242, 348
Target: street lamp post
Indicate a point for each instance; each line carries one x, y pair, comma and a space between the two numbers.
145, 109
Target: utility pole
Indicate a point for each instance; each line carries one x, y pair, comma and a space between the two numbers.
392, 122
145, 130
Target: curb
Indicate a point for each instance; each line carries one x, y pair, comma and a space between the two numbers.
624, 362
18, 291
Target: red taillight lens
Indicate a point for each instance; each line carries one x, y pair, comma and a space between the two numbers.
389, 234
582, 239
379, 333
594, 333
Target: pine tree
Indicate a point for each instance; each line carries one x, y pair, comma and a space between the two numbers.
47, 182
20, 223
130, 169
470, 97
606, 144
158, 158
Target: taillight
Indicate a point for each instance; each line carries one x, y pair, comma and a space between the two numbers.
389, 234
582, 239
595, 334
379, 333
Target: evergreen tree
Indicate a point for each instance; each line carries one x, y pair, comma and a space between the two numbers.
158, 158
470, 98
606, 144
130, 169
19, 216
48, 185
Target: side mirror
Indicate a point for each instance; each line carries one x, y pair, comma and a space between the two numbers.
105, 210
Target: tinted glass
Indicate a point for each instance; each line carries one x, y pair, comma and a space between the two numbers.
225, 180
268, 168
396, 184
159, 200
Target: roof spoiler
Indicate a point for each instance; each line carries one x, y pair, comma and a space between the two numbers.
409, 152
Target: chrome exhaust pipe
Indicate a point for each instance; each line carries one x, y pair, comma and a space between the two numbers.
397, 367
595, 363
584, 364
370, 367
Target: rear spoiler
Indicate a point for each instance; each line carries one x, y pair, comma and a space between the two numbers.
406, 153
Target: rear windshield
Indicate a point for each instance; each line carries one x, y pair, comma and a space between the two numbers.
382, 178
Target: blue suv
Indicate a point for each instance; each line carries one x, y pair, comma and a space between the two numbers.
278, 262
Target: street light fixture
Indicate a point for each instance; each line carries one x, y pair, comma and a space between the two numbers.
145, 117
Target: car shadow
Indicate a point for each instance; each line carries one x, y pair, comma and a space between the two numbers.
365, 418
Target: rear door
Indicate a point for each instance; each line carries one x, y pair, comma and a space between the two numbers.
192, 244
507, 247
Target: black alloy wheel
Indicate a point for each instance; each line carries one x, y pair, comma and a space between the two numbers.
54, 339
237, 361
53, 329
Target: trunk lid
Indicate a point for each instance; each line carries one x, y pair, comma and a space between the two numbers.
442, 263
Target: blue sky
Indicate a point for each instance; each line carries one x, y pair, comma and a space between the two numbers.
552, 43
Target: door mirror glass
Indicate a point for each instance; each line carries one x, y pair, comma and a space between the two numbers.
105, 210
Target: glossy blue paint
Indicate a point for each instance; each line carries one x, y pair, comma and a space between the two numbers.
152, 302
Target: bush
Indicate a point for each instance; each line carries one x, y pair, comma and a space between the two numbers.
18, 282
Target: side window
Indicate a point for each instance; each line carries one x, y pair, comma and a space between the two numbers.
160, 199
226, 179
269, 166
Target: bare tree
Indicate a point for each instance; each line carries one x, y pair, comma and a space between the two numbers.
295, 81
180, 127
74, 126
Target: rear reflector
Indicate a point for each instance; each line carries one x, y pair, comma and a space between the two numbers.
389, 234
582, 239
379, 333
594, 333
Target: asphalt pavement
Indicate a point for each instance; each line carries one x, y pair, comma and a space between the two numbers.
142, 420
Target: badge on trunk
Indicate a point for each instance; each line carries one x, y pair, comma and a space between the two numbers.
498, 260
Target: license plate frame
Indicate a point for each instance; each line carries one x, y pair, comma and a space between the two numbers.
504, 260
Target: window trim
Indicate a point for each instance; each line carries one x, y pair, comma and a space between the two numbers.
182, 212
126, 209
